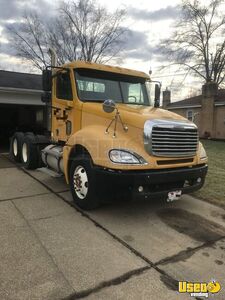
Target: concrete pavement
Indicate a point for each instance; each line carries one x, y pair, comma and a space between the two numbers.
125, 250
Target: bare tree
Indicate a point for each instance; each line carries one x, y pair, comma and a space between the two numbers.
198, 43
63, 39
29, 38
98, 31
81, 30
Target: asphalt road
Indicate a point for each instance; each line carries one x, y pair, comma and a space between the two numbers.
124, 250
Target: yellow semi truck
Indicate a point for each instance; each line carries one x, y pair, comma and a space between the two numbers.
106, 134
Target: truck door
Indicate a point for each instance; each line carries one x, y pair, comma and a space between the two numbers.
62, 103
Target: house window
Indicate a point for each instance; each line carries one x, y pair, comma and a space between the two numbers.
190, 115
39, 116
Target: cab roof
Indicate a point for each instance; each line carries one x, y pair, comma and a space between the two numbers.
89, 65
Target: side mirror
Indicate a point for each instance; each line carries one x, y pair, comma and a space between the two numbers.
157, 95
109, 106
47, 80
46, 97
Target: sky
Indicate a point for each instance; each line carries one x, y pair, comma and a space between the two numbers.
148, 22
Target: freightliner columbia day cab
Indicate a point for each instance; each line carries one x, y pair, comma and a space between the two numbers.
106, 134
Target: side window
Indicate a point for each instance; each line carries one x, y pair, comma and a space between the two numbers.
63, 86
135, 94
190, 115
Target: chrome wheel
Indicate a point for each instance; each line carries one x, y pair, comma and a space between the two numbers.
80, 182
15, 147
24, 152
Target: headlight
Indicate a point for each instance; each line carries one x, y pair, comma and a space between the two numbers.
126, 157
203, 154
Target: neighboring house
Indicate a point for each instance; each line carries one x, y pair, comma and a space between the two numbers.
207, 111
20, 103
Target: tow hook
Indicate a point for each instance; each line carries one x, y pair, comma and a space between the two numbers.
175, 195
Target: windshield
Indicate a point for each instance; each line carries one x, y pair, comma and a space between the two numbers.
150, 86
93, 85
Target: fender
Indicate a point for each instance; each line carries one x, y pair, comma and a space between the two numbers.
98, 144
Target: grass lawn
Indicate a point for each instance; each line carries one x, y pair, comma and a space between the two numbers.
214, 188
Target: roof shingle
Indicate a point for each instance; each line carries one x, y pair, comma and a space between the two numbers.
192, 101
18, 80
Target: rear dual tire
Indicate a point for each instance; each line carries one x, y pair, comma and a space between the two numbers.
30, 154
24, 149
16, 146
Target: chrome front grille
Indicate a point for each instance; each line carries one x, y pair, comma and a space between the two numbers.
175, 139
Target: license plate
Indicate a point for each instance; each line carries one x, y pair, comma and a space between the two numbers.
174, 195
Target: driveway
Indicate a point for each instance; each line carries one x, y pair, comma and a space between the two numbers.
124, 250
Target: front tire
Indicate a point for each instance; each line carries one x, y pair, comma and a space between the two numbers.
83, 183
16, 146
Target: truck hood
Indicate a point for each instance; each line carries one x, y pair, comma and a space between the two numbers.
133, 115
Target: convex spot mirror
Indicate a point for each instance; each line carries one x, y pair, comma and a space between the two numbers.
109, 106
47, 80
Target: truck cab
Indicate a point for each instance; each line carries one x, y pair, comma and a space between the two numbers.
107, 134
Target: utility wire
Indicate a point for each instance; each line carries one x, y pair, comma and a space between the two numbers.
169, 75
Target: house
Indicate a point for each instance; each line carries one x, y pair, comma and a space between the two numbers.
207, 111
20, 103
